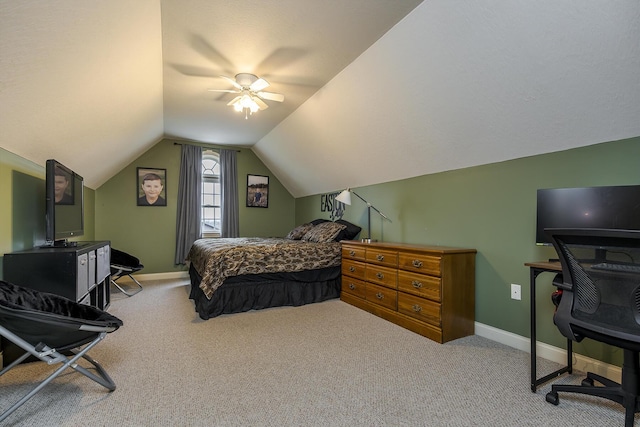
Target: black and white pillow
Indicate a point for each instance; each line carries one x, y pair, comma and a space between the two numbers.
324, 232
299, 232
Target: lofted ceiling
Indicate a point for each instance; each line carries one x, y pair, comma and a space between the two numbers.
95, 84
297, 46
375, 90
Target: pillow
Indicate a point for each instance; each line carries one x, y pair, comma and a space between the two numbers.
318, 221
298, 232
350, 232
324, 232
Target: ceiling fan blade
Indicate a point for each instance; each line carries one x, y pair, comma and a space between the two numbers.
234, 100
278, 97
233, 82
258, 85
223, 90
260, 102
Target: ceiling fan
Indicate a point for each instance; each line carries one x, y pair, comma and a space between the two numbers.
250, 95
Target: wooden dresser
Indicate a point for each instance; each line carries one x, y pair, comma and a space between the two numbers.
429, 290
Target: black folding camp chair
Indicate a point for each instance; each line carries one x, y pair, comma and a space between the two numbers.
53, 329
124, 264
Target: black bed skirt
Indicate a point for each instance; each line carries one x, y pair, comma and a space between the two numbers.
258, 291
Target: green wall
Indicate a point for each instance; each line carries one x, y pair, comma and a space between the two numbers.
149, 232
492, 208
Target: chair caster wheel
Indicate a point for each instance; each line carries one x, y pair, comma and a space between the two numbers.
587, 382
552, 397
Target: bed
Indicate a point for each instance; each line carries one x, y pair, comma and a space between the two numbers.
233, 275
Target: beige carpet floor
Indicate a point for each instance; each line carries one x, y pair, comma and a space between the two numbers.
326, 364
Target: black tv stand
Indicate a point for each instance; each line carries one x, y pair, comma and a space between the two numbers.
79, 271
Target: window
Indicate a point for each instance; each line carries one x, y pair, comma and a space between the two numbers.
211, 211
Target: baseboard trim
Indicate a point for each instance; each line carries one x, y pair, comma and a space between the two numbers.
549, 352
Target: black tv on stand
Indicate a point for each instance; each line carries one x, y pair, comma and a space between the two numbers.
64, 206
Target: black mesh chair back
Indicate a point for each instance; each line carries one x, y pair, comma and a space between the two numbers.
601, 301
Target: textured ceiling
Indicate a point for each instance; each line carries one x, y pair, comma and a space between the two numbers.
297, 46
96, 83
375, 90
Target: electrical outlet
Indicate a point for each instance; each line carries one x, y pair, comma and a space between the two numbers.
516, 291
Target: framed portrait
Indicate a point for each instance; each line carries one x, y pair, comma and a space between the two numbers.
151, 187
257, 191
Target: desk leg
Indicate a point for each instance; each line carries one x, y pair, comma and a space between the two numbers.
535, 382
532, 289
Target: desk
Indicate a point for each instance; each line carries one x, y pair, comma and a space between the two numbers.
535, 269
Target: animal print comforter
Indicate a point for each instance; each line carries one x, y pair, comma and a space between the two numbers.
217, 259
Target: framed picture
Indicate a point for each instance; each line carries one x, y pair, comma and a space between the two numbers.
151, 188
257, 191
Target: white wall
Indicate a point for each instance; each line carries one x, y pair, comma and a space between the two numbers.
462, 83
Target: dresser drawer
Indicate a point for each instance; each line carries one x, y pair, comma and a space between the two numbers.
426, 289
419, 308
382, 257
419, 263
380, 275
382, 296
420, 285
351, 252
353, 268
353, 286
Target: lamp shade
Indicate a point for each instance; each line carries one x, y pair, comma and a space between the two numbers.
344, 197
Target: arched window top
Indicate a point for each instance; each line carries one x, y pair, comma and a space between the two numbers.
210, 163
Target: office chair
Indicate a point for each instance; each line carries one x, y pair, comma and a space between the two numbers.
601, 301
53, 329
123, 264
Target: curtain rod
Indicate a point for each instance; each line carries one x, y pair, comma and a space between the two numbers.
219, 147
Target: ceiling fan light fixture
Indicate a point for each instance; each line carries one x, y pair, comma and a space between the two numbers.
246, 101
250, 97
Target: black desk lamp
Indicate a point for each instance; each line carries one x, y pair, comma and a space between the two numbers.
345, 197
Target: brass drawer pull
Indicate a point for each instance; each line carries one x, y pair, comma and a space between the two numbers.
380, 257
352, 286
352, 269
379, 295
380, 275
416, 284
417, 308
352, 253
417, 263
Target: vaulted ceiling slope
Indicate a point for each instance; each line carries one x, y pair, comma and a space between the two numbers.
375, 90
296, 45
96, 83
464, 83
81, 82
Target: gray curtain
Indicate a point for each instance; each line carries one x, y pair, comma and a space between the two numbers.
188, 228
229, 193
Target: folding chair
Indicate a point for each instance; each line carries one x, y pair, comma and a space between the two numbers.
123, 264
54, 329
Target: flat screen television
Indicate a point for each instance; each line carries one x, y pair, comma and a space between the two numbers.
64, 206
614, 207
